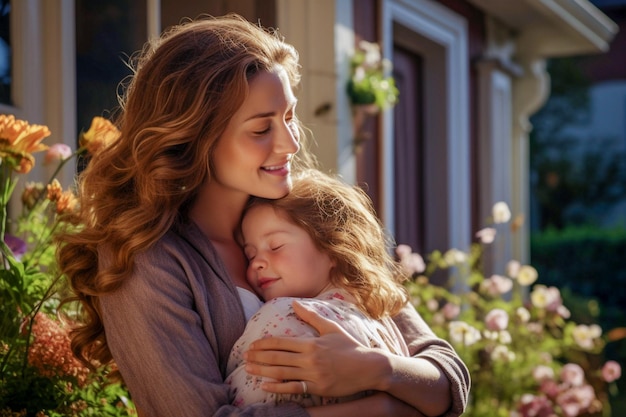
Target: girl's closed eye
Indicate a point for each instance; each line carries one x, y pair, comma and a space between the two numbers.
276, 247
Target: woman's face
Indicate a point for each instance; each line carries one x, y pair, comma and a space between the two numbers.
283, 259
253, 155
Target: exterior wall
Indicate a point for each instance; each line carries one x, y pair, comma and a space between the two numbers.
484, 69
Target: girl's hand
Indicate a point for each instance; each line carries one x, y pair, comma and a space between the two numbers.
331, 365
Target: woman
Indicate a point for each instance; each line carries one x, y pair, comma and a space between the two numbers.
209, 120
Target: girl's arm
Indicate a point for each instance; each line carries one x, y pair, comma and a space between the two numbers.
433, 380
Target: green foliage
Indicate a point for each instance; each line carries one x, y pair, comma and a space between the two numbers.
38, 373
516, 336
598, 272
370, 82
573, 181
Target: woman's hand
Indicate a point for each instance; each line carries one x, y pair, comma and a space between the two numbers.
330, 365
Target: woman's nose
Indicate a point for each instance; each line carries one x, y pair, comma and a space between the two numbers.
287, 140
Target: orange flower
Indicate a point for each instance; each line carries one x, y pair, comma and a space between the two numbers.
18, 140
67, 202
101, 134
31, 194
54, 191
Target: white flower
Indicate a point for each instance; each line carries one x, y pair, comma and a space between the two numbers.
501, 212
527, 275
463, 333
454, 257
548, 298
486, 235
512, 268
543, 372
522, 314
585, 335
502, 353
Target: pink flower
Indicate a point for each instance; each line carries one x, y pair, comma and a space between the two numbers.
450, 311
411, 262
550, 388
611, 371
497, 319
56, 153
573, 374
543, 372
535, 406
496, 285
576, 400
403, 250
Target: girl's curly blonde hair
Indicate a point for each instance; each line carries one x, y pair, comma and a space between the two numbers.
341, 221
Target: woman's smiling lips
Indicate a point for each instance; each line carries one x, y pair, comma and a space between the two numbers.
280, 170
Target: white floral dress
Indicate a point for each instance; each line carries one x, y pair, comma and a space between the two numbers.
277, 318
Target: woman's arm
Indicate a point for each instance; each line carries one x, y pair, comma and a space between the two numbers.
376, 405
433, 380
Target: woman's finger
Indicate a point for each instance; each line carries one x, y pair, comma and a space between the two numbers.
288, 387
312, 318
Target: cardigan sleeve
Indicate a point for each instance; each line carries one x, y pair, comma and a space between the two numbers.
170, 328
423, 343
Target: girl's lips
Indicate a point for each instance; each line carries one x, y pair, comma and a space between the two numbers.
266, 282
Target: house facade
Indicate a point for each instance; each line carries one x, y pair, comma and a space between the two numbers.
470, 73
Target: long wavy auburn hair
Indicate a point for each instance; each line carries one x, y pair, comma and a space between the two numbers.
341, 221
185, 87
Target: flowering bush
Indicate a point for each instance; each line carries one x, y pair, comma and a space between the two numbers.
39, 376
369, 82
525, 355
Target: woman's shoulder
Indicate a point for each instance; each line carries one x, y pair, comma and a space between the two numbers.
182, 245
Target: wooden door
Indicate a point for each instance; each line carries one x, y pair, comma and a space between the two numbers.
408, 137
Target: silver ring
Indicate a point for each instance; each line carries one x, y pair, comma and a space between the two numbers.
304, 387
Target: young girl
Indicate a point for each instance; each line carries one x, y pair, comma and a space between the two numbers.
207, 121
324, 243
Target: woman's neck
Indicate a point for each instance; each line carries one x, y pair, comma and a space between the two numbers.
217, 212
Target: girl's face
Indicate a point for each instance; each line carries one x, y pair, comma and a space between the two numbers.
254, 153
283, 259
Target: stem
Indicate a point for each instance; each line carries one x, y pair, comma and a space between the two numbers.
32, 314
41, 244
55, 173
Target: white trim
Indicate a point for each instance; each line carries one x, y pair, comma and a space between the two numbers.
322, 33
59, 53
496, 156
153, 18
448, 31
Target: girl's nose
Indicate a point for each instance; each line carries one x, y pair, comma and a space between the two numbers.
258, 263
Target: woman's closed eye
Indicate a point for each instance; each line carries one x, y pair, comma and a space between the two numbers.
264, 131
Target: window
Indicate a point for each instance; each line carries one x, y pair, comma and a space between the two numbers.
5, 52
